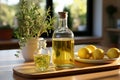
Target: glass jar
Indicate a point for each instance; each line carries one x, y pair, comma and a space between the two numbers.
63, 44
42, 57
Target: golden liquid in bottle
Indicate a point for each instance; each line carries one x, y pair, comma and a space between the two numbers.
63, 52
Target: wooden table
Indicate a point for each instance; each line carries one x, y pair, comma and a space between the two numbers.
8, 61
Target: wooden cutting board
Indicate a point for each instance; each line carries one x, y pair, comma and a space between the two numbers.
28, 70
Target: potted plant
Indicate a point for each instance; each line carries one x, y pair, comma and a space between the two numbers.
32, 23
6, 32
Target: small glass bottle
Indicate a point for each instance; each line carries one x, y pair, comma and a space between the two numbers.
63, 44
42, 57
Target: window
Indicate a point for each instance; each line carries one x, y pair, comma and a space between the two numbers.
80, 14
8, 9
79, 11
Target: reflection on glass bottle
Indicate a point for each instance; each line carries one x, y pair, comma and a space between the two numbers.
63, 44
42, 57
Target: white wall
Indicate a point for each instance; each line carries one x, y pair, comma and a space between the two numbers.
97, 18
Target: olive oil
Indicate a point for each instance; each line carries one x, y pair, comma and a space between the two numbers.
42, 61
63, 44
63, 52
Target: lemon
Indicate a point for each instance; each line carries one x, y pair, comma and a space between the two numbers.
113, 53
84, 53
91, 48
98, 54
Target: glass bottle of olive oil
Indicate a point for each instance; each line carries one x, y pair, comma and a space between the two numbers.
63, 44
42, 57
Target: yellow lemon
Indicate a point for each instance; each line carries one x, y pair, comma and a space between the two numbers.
98, 54
84, 53
113, 53
91, 47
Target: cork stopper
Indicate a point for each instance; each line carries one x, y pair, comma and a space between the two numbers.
63, 14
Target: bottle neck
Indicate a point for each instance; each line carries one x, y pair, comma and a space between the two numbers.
42, 44
63, 22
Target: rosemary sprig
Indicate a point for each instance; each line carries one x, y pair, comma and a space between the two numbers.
32, 21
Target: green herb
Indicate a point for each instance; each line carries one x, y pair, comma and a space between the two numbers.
17, 55
42, 61
32, 21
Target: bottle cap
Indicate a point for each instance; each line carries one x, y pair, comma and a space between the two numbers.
63, 14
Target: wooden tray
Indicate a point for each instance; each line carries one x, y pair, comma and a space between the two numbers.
28, 70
